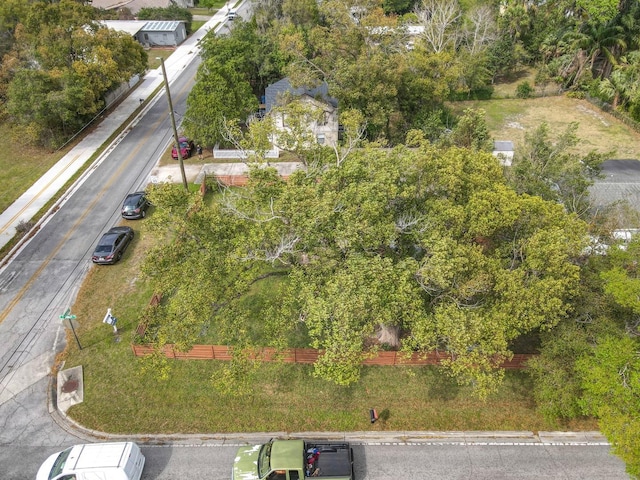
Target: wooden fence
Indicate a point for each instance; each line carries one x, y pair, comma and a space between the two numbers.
300, 355
308, 355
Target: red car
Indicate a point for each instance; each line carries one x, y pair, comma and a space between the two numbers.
186, 148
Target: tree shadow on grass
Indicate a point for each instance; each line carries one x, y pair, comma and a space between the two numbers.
441, 386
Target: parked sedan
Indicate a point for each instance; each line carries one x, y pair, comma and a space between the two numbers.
112, 245
186, 148
135, 206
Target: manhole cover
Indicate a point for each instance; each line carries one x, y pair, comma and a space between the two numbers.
69, 386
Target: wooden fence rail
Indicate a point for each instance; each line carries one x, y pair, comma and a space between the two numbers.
308, 355
299, 355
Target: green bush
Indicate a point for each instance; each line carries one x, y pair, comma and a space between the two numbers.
579, 94
524, 90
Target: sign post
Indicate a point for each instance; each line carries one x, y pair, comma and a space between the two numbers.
67, 316
109, 319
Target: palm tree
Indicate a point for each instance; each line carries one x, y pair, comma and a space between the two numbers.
606, 45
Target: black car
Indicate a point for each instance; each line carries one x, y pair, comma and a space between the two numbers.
112, 245
135, 206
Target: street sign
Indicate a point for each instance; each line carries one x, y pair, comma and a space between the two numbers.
67, 315
109, 319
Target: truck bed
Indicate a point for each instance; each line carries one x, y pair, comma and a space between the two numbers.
335, 459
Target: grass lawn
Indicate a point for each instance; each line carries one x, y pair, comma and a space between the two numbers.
22, 167
119, 398
122, 397
510, 118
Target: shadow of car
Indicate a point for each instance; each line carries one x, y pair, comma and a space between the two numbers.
186, 148
112, 245
135, 206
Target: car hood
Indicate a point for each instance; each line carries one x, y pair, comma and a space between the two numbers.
245, 465
45, 468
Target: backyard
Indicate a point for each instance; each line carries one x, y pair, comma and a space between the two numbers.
510, 118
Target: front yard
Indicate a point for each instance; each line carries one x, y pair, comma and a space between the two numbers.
124, 394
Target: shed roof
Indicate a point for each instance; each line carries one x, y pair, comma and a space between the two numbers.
161, 26
503, 146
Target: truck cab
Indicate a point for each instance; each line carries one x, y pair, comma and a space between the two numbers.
294, 460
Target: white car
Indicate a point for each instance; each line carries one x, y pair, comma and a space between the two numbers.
104, 461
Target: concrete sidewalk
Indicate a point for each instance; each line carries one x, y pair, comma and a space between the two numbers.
35, 198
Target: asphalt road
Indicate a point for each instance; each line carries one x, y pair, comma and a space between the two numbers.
495, 460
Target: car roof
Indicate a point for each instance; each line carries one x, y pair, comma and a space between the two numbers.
118, 231
108, 239
134, 197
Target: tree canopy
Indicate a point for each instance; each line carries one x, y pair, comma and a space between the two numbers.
59, 66
461, 262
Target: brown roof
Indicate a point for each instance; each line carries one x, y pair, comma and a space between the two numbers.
135, 5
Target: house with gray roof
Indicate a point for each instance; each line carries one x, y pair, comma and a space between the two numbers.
325, 127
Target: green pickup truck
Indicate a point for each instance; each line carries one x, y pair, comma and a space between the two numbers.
294, 460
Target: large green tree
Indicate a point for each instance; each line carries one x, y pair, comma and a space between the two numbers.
60, 67
235, 70
552, 169
611, 381
221, 94
424, 248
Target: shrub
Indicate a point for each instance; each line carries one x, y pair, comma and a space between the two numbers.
23, 227
524, 90
579, 94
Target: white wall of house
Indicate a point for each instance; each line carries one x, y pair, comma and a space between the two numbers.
325, 131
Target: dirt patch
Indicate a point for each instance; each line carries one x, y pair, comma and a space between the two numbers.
588, 111
510, 119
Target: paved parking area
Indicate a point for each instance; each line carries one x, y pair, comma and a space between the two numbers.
621, 182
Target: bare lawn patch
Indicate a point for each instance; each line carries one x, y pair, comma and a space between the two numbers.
509, 119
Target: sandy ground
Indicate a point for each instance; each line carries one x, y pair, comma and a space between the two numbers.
171, 173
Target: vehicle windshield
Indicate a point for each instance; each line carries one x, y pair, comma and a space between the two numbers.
264, 460
58, 465
103, 249
131, 202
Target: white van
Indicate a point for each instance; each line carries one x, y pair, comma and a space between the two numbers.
231, 15
94, 461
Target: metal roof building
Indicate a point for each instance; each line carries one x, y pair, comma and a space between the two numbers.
152, 33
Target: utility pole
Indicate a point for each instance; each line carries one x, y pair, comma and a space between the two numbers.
173, 124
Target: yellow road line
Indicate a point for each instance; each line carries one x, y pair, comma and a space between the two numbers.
72, 230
